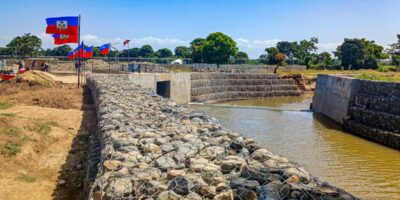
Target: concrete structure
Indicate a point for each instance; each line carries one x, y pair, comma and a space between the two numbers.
174, 86
369, 109
333, 96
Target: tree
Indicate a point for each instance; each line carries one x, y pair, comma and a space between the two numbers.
182, 52
287, 48
58, 51
271, 53
133, 52
321, 61
219, 48
196, 47
26, 45
303, 50
164, 53
4, 51
146, 51
359, 54
394, 52
280, 61
241, 57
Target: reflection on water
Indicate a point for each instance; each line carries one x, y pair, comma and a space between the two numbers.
366, 169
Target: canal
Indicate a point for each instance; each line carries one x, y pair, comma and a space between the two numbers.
286, 127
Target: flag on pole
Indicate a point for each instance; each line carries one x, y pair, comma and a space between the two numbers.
79, 51
64, 39
126, 42
105, 49
62, 25
71, 55
89, 52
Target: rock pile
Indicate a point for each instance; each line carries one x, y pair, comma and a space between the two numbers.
152, 148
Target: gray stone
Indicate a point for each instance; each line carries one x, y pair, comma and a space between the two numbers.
180, 185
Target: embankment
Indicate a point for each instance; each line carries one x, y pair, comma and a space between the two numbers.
218, 87
150, 147
369, 109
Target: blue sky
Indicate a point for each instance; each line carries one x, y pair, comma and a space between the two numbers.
254, 24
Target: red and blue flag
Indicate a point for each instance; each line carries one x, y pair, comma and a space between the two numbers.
64, 39
89, 52
79, 51
71, 55
105, 49
63, 25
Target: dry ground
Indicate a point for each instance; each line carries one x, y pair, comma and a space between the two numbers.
43, 140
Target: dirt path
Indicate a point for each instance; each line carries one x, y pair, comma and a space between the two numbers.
43, 141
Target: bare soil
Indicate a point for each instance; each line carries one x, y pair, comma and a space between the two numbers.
43, 140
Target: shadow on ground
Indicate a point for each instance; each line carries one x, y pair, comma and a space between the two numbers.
71, 180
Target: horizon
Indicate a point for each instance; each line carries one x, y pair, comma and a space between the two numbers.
254, 25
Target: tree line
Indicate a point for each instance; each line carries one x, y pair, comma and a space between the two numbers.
219, 48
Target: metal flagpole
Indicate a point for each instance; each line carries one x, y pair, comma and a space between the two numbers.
109, 59
128, 55
79, 56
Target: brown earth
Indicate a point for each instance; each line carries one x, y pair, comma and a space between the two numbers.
43, 140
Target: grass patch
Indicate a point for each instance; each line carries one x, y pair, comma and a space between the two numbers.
8, 114
377, 77
42, 127
11, 131
5, 105
11, 148
26, 178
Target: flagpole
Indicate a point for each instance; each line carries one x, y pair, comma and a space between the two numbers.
128, 54
79, 56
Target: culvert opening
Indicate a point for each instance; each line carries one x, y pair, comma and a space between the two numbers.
164, 88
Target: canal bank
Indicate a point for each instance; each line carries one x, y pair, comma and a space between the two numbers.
366, 169
369, 109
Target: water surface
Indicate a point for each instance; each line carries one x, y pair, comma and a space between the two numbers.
282, 125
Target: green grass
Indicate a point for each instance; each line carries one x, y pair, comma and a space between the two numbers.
8, 114
11, 131
26, 178
377, 77
42, 127
11, 148
5, 105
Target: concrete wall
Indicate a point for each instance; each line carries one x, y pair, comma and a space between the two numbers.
333, 96
369, 109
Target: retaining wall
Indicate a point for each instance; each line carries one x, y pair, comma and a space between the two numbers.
375, 112
369, 109
217, 87
148, 147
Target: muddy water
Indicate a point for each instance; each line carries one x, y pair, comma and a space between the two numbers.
283, 126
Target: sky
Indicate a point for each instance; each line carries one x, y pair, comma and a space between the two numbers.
253, 24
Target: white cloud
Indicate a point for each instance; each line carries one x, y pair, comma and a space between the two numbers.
328, 47
254, 48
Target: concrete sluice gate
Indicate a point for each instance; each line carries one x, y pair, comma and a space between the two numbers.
150, 147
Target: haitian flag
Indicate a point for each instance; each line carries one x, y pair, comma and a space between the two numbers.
64, 39
89, 52
79, 51
71, 55
105, 49
63, 25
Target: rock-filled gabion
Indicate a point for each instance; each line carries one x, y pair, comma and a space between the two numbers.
152, 148
375, 112
219, 87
